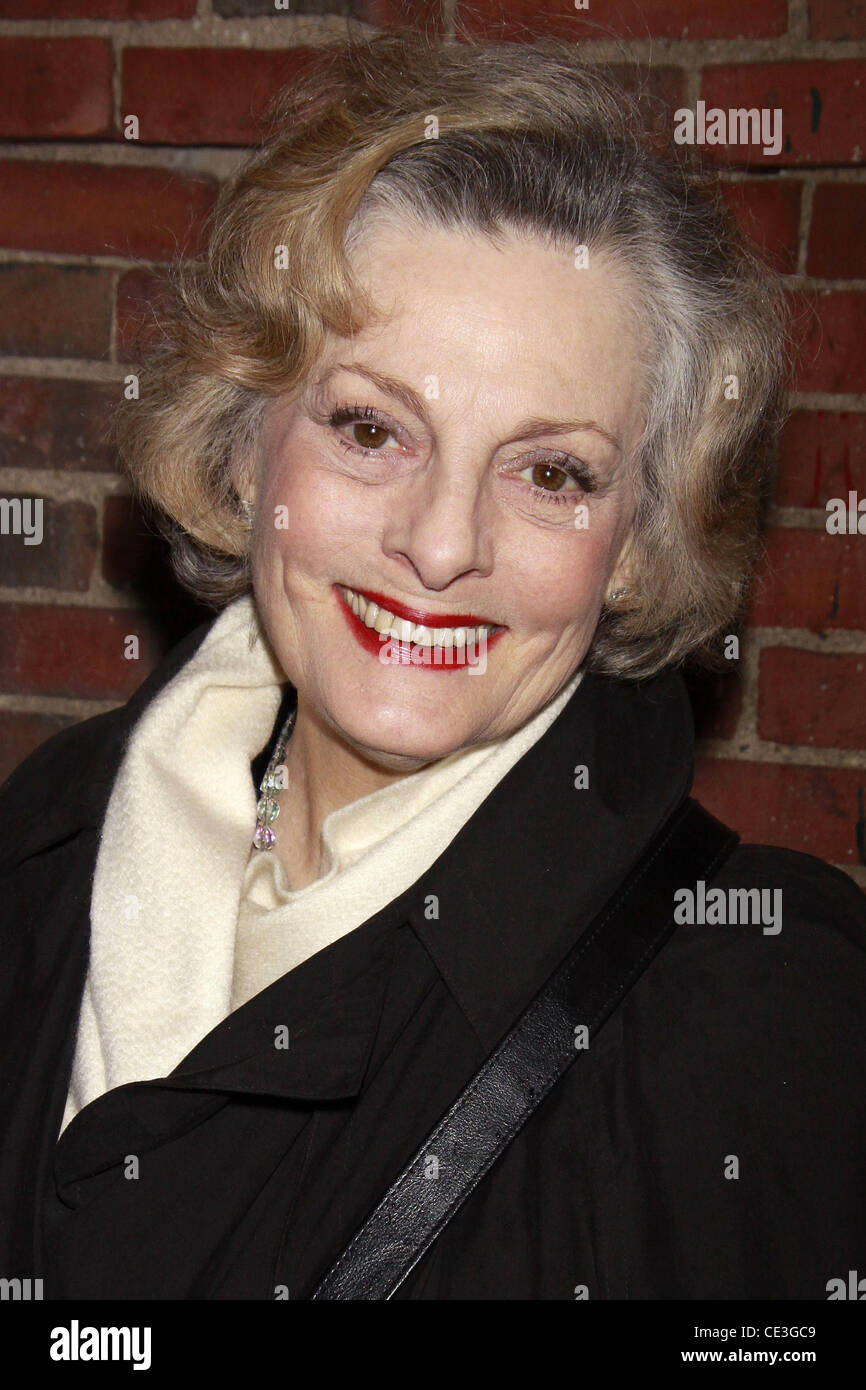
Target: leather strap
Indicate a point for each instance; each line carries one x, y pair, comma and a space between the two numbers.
583, 991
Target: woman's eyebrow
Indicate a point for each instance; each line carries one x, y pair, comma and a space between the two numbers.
532, 427
398, 389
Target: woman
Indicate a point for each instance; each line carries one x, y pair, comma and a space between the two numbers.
443, 424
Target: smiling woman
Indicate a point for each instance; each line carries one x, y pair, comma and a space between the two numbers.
474, 380
454, 515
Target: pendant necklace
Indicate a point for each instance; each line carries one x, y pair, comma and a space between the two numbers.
268, 808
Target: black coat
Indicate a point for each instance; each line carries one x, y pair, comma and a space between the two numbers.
257, 1164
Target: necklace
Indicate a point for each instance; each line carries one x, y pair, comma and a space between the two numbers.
268, 808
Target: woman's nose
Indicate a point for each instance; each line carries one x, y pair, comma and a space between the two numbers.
441, 527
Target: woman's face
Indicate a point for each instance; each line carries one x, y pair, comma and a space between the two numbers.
453, 479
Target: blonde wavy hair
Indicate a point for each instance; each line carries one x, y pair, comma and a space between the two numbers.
529, 139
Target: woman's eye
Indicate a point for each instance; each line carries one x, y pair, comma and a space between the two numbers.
368, 435
359, 427
549, 477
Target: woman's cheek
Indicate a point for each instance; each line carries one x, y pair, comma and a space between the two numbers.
561, 585
326, 511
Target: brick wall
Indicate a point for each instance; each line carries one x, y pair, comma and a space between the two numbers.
86, 216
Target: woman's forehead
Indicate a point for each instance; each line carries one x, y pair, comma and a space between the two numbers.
463, 321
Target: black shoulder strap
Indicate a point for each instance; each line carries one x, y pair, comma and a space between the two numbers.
582, 993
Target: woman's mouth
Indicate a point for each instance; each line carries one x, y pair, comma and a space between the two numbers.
444, 641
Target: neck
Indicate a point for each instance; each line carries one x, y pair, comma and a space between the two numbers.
324, 773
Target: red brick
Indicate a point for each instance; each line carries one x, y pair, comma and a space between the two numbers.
57, 650
822, 454
812, 698
837, 19
99, 209
139, 293
837, 237
206, 96
55, 310
20, 734
768, 210
813, 580
832, 341
668, 19
814, 810
55, 87
823, 106
97, 9
63, 558
57, 424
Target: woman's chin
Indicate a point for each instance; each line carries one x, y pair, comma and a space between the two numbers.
400, 745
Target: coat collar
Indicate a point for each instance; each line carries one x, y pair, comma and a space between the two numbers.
541, 856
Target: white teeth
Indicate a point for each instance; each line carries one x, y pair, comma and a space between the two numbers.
402, 630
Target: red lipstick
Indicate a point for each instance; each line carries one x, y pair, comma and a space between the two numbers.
418, 615
392, 652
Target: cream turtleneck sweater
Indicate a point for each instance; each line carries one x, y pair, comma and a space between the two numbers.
187, 921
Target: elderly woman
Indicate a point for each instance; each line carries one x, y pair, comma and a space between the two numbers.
375, 947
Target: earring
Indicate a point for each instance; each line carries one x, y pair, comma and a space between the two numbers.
616, 594
247, 509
